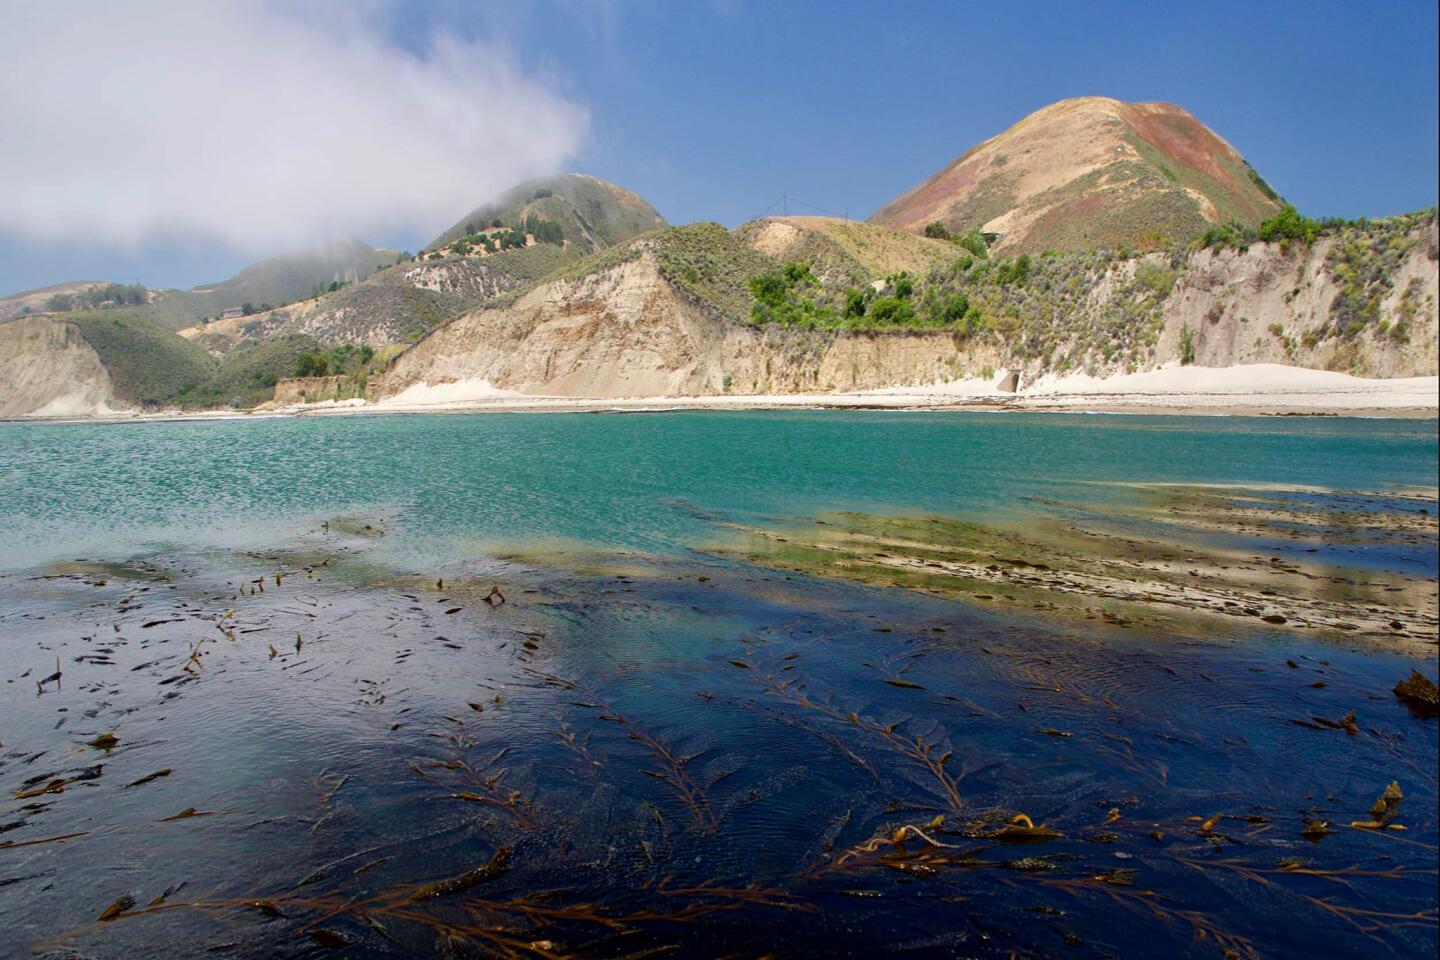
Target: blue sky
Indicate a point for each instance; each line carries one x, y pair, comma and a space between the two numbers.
712, 110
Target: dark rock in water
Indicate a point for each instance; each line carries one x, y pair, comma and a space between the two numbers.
1009, 383
1418, 692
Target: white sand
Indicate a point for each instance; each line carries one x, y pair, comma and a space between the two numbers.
461, 391
1254, 388
1251, 389
1252, 385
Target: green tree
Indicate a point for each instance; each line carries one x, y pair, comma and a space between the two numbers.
769, 289
1288, 224
952, 309
797, 273
974, 241
312, 363
891, 311
936, 230
855, 301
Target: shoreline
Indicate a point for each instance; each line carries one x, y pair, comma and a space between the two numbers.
1255, 390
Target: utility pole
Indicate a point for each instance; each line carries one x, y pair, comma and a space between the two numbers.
785, 198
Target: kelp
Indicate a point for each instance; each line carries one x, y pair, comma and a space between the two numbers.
574, 817
1079, 564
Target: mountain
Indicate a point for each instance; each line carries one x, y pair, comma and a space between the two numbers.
647, 317
591, 213
1087, 173
548, 224
271, 282
777, 307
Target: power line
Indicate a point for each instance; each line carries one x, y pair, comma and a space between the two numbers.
833, 213
784, 200
778, 200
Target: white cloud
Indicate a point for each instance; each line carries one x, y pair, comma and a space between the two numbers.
255, 124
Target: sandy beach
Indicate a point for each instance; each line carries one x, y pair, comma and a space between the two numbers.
1250, 390
1246, 390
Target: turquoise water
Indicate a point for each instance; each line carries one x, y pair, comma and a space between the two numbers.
679, 752
456, 483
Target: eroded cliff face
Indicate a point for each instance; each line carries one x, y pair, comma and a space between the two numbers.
1273, 303
627, 331
48, 370
621, 331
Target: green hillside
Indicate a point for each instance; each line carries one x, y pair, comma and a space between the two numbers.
152, 367
591, 214
148, 364
704, 260
851, 250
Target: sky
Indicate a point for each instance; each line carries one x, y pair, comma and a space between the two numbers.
172, 144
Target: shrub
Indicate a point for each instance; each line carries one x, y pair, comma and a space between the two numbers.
1288, 224
797, 273
1013, 271
974, 242
769, 289
936, 230
1161, 280
312, 363
1187, 346
855, 301
891, 311
1234, 235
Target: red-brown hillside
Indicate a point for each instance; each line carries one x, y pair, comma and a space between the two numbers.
1090, 172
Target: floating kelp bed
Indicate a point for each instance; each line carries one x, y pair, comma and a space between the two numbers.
1181, 559
280, 753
